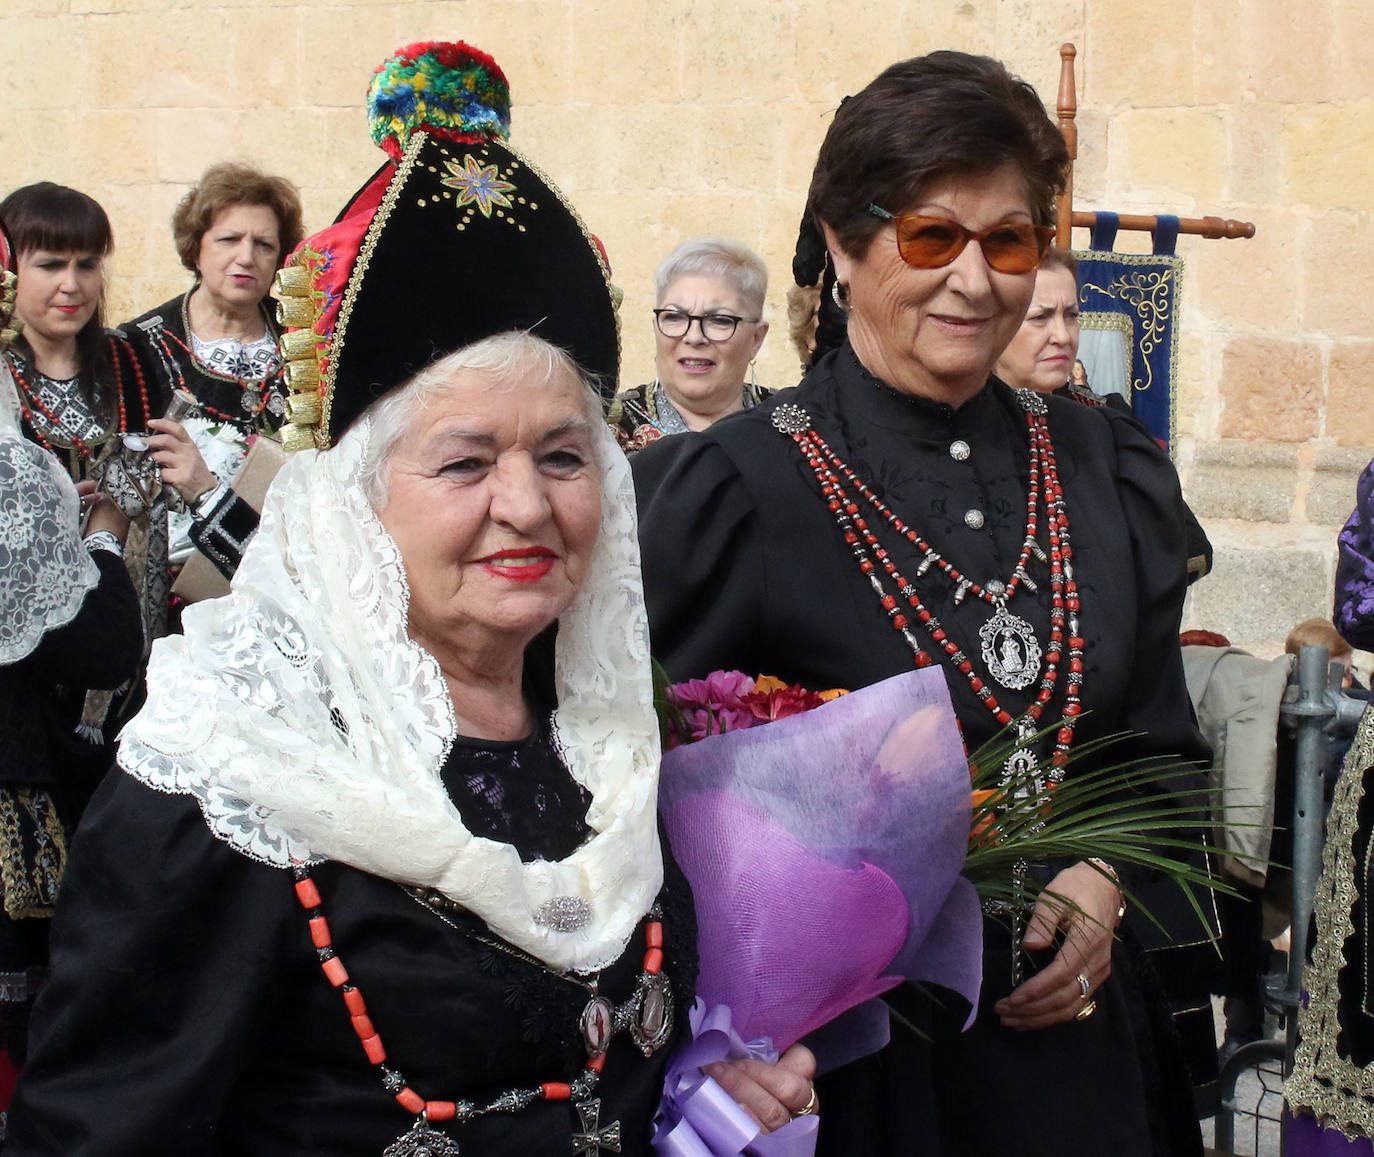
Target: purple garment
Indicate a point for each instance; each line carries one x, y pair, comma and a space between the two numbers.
1354, 614
1308, 1139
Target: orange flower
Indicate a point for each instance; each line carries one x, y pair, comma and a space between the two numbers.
984, 824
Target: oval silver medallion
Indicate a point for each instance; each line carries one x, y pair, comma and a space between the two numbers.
651, 1023
598, 1022
1010, 650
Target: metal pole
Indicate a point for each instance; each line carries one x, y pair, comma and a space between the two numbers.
1312, 710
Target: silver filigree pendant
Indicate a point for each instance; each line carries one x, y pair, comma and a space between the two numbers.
422, 1141
1020, 771
651, 1022
1010, 650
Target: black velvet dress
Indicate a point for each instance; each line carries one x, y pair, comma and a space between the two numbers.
745, 568
48, 772
187, 1014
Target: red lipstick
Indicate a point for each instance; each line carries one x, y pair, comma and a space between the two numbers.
526, 564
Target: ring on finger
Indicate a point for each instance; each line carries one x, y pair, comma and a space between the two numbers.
812, 1106
1086, 1011
1084, 985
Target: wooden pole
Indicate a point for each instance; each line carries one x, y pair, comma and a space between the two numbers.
1209, 227
1068, 111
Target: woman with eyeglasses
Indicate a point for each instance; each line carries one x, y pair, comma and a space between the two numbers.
708, 328
904, 507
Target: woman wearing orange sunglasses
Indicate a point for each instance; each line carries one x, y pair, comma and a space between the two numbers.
903, 506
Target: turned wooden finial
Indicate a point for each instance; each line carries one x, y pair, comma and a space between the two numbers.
1067, 108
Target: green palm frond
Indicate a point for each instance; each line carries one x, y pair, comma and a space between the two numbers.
1134, 813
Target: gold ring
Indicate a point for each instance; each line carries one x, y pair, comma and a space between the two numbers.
1086, 1011
811, 1107
1084, 985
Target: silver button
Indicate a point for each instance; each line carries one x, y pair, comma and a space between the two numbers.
973, 519
959, 450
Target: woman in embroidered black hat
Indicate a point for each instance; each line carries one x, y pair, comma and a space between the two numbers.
382, 873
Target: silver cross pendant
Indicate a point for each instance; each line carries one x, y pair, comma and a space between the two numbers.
593, 1139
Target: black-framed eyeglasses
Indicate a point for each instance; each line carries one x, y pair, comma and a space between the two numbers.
934, 242
714, 326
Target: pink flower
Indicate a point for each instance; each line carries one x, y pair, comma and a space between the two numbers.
713, 705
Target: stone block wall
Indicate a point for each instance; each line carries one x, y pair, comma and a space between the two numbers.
662, 119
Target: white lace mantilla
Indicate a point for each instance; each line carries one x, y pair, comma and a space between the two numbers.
45, 571
308, 725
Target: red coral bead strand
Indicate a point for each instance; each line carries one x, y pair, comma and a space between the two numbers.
308, 895
29, 401
852, 526
263, 387
1065, 600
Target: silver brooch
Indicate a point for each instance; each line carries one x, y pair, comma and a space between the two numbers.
790, 418
564, 913
1031, 402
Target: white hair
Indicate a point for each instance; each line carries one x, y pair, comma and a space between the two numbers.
724, 258
504, 358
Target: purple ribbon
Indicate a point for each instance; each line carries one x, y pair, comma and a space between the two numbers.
698, 1118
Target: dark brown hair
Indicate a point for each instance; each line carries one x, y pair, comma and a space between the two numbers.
230, 183
64, 220
925, 119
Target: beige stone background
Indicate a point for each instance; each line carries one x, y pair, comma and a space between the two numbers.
666, 118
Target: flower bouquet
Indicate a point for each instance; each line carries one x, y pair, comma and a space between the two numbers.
847, 846
825, 851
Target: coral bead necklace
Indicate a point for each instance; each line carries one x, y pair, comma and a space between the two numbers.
1010, 651
32, 406
256, 396
648, 1016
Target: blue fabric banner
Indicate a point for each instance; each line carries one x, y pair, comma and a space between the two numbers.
1129, 322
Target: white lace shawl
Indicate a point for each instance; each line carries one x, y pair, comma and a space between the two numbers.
45, 571
308, 725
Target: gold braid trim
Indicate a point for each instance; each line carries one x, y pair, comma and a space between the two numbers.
10, 328
615, 293
1326, 1084
355, 279
30, 888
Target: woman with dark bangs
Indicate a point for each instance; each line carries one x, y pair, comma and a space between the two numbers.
80, 387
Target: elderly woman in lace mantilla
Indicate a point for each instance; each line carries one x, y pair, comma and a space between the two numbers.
400, 884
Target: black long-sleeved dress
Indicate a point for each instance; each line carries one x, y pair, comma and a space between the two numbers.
187, 1014
48, 772
744, 567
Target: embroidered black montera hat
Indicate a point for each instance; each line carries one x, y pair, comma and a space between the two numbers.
456, 238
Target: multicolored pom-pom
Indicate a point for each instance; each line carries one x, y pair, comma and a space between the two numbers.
450, 90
